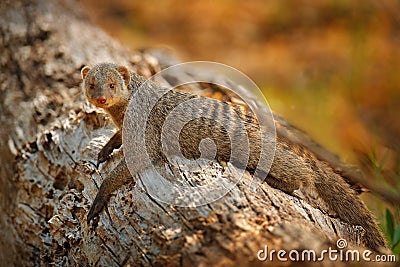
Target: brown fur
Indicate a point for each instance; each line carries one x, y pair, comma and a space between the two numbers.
294, 168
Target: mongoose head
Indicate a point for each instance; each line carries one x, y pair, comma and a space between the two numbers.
106, 84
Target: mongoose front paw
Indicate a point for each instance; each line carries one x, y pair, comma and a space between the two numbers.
98, 205
103, 156
107, 150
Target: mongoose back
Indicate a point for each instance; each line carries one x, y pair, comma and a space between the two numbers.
111, 86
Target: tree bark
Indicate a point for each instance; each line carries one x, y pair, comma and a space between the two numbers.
49, 141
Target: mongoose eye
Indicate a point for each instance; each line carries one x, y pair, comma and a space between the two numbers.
112, 86
91, 86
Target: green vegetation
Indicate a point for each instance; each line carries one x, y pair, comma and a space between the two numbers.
392, 231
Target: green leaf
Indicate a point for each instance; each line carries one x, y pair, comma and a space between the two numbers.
396, 237
389, 224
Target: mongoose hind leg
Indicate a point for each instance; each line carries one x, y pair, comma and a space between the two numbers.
114, 143
286, 185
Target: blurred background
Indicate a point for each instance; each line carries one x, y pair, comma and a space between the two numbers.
330, 67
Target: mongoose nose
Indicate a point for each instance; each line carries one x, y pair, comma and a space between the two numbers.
101, 100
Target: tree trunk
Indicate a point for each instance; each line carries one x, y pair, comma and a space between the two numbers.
49, 141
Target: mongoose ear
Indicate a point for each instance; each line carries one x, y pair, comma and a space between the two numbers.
125, 73
84, 71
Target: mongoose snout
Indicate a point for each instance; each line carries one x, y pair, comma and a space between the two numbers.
101, 100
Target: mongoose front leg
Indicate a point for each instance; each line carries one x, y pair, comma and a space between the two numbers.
114, 143
119, 176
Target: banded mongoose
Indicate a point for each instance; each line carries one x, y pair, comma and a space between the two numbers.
110, 87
